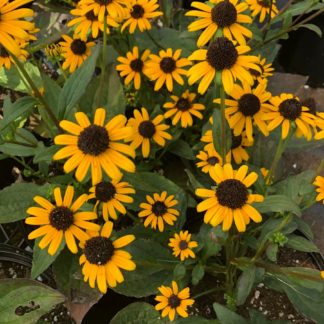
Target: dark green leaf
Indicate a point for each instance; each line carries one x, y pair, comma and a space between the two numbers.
313, 28
226, 316
17, 149
179, 271
244, 285
300, 243
272, 251
52, 94
182, 149
198, 273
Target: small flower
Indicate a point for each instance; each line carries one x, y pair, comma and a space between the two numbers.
138, 13
266, 70
209, 158
182, 246
6, 59
132, 66
53, 51
158, 210
112, 196
183, 108
96, 146
145, 130
75, 51
166, 67
319, 183
102, 258
263, 8
231, 200
171, 301
60, 219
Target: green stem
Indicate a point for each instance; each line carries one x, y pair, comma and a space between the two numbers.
153, 40
61, 68
207, 292
31, 83
223, 130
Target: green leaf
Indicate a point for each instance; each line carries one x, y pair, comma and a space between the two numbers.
182, 149
42, 259
17, 149
271, 252
198, 273
300, 243
28, 298
193, 180
226, 316
245, 284
259, 318
52, 93
15, 199
313, 28
179, 272
154, 267
278, 204
76, 85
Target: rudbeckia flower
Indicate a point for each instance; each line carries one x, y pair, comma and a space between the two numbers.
182, 245
319, 183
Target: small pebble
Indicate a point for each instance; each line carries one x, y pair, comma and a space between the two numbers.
257, 294
55, 319
281, 314
265, 312
252, 301
291, 316
260, 285
260, 309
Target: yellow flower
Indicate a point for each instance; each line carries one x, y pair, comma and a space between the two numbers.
226, 15
265, 173
158, 210
95, 145
104, 8
112, 195
319, 183
182, 246
6, 59
262, 8
287, 109
247, 108
224, 58
209, 157
266, 70
60, 219
231, 199
145, 130
88, 22
12, 25
173, 301
322, 274
53, 51
75, 51
138, 14
132, 66
183, 108
166, 67
102, 258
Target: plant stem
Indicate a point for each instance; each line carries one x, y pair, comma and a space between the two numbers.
153, 40
223, 130
207, 292
31, 83
62, 70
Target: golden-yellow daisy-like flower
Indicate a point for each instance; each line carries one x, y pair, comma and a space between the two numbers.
220, 14
173, 301
112, 195
208, 158
6, 59
138, 14
145, 130
88, 22
104, 8
75, 51
231, 199
60, 219
182, 246
13, 27
96, 146
158, 210
224, 58
262, 8
102, 258
265, 173
287, 109
247, 107
166, 67
53, 51
319, 183
183, 108
266, 70
132, 66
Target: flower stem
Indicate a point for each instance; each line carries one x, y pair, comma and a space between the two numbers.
223, 124
207, 292
153, 40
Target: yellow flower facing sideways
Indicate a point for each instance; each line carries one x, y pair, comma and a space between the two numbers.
262, 8
319, 183
231, 200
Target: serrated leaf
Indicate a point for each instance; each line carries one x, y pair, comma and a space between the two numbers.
28, 298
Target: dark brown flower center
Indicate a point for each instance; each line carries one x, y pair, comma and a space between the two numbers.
236, 141
3, 52
256, 73
91, 16
146, 129
213, 160
78, 47
159, 208
174, 301
136, 65
98, 250
61, 218
249, 104
93, 140
232, 193
137, 12
222, 54
183, 245
264, 3
105, 191
168, 64
104, 2
310, 103
183, 104
290, 109
224, 14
